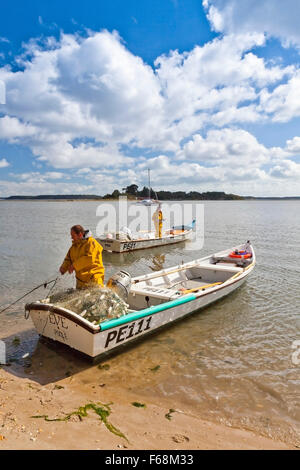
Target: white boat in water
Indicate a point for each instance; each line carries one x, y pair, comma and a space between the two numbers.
155, 300
147, 202
121, 242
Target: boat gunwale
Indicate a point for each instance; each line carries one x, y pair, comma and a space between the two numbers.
96, 329
193, 264
69, 314
139, 313
170, 236
232, 280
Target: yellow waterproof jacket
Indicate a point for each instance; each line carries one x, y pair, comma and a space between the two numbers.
158, 220
157, 217
86, 257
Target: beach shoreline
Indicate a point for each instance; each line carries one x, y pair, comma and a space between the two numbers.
50, 385
25, 407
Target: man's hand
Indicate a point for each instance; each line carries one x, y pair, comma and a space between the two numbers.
71, 269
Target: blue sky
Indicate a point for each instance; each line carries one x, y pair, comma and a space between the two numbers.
205, 93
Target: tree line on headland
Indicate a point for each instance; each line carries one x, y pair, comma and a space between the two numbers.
132, 192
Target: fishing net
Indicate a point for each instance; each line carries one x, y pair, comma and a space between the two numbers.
95, 304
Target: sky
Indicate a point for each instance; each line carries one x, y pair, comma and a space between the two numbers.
205, 93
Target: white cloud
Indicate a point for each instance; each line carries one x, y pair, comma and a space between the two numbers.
38, 186
89, 104
215, 18
37, 177
107, 181
83, 171
60, 153
286, 169
12, 128
232, 114
218, 83
283, 103
3, 163
2, 92
166, 174
293, 145
276, 18
55, 175
227, 147
95, 88
83, 87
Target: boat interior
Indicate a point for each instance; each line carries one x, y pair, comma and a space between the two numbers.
198, 276
169, 284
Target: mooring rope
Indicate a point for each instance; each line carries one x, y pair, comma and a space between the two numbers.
45, 284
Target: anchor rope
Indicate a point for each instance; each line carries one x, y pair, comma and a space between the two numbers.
45, 284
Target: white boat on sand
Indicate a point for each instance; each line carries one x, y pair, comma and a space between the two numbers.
122, 242
155, 300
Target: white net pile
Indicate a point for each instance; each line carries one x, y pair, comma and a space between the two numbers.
95, 305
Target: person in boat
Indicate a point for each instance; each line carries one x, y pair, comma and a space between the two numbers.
158, 220
85, 258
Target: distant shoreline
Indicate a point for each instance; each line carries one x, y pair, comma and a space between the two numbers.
101, 199
52, 200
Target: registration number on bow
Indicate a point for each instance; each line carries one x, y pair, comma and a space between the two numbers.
127, 331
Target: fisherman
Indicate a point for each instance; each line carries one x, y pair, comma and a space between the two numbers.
85, 258
158, 220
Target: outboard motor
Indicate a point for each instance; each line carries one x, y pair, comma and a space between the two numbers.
120, 283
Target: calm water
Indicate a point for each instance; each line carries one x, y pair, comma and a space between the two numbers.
232, 362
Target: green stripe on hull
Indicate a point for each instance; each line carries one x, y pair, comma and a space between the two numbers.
106, 325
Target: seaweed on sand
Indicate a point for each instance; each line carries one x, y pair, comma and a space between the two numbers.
102, 410
155, 369
168, 415
138, 405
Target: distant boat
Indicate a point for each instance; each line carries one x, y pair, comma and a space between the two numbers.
155, 300
119, 243
148, 201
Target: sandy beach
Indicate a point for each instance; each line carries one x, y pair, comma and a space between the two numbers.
143, 428
50, 385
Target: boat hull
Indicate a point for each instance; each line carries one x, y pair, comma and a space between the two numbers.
71, 330
121, 246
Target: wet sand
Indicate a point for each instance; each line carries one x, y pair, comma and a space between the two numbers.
51, 383
144, 428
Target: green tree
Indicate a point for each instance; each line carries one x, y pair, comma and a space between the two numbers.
116, 194
132, 189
